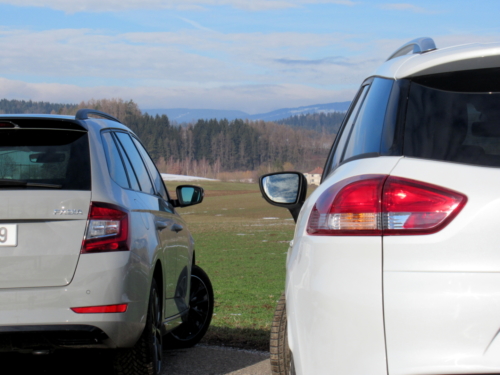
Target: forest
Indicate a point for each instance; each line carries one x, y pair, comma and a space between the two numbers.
320, 122
213, 148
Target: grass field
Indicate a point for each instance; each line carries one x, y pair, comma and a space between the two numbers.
241, 242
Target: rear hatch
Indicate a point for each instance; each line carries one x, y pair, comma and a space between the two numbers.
45, 197
442, 289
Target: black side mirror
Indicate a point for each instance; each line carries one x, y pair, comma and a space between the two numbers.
285, 189
188, 195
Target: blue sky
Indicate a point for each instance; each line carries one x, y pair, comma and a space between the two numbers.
250, 55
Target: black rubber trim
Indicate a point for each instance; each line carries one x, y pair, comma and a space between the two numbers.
50, 328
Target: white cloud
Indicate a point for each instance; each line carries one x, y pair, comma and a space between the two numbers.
120, 5
198, 57
404, 7
249, 98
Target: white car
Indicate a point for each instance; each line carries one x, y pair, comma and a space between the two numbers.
395, 264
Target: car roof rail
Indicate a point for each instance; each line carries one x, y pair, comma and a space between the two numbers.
83, 114
419, 45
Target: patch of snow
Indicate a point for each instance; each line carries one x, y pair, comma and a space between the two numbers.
178, 177
270, 218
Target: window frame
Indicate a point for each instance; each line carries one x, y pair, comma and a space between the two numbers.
134, 137
328, 165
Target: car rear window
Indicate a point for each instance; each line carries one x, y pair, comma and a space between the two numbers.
56, 157
455, 117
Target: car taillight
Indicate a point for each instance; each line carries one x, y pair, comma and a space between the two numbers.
373, 205
107, 229
121, 308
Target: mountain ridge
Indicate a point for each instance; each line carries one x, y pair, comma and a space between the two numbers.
185, 115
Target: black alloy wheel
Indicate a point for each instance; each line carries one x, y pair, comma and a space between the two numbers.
201, 307
156, 335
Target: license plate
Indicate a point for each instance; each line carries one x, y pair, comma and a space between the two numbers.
8, 235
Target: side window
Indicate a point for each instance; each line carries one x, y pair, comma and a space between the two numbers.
369, 124
136, 161
157, 180
115, 165
132, 177
339, 150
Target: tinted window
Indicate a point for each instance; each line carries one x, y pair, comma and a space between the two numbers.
157, 180
46, 156
132, 177
115, 165
369, 123
455, 126
339, 149
137, 163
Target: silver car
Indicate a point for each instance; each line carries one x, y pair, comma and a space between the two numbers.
92, 251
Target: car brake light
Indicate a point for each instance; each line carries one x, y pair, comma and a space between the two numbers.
107, 229
383, 205
8, 124
121, 308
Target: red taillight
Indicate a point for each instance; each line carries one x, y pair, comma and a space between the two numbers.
107, 229
121, 308
7, 125
381, 205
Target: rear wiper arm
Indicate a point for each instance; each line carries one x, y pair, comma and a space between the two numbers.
6, 182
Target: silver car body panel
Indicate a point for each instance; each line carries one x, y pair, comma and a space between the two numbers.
48, 240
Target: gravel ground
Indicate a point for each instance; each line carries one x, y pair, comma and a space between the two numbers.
200, 360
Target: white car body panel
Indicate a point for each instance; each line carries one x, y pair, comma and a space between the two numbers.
442, 291
442, 60
334, 285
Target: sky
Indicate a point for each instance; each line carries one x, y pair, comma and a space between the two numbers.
250, 55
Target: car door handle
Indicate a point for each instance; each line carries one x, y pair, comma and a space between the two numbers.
177, 228
161, 225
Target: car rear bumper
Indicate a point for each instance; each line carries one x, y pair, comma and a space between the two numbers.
100, 279
334, 305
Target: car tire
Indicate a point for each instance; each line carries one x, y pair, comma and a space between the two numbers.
281, 356
145, 358
201, 308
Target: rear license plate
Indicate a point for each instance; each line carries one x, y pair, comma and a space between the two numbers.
8, 235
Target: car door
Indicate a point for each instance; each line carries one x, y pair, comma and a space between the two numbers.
175, 252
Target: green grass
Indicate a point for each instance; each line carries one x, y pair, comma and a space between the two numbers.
241, 242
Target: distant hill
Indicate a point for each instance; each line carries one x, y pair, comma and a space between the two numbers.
280, 114
182, 115
328, 122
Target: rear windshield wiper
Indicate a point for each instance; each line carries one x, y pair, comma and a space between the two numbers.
6, 183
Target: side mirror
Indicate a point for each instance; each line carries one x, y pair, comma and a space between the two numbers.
188, 195
285, 189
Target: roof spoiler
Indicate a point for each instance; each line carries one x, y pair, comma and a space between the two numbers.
83, 114
419, 45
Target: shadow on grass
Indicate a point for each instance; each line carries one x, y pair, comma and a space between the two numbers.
242, 338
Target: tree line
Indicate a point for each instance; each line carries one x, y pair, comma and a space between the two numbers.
321, 122
207, 148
